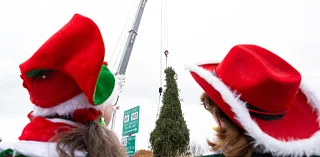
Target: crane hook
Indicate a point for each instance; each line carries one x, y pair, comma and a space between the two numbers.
160, 90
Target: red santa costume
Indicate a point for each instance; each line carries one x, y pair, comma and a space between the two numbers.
68, 83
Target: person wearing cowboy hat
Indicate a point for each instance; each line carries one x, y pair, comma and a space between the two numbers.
72, 90
262, 107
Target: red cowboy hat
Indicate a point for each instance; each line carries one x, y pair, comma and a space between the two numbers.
263, 94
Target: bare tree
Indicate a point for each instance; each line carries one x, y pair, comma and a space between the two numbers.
196, 149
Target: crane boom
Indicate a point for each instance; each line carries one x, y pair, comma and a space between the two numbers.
123, 64
131, 38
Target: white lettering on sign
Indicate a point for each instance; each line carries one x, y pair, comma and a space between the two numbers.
126, 118
134, 116
124, 141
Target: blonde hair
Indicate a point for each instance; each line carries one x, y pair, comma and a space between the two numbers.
231, 139
93, 138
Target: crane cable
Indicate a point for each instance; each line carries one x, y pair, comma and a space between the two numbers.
121, 38
163, 46
166, 46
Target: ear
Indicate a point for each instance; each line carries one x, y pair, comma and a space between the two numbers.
107, 112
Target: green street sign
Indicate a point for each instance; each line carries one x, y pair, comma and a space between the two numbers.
131, 121
130, 144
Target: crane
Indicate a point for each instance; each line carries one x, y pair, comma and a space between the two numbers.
123, 64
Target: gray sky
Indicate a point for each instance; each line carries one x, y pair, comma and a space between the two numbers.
197, 30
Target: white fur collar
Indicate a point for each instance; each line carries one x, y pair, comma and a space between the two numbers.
36, 149
295, 148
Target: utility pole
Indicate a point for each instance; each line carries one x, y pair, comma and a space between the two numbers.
127, 51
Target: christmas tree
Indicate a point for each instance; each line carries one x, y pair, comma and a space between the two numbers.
170, 137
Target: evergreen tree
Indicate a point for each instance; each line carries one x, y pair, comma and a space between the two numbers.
170, 137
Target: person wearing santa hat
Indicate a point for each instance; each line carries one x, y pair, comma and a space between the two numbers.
72, 90
262, 106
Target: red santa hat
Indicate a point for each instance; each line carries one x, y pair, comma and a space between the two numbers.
263, 94
68, 71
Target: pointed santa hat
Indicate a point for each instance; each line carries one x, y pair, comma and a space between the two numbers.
68, 71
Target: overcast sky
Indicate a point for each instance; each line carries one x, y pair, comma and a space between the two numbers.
197, 30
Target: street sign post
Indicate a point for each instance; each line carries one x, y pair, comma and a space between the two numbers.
130, 144
131, 121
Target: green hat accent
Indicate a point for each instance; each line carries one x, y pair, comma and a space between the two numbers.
104, 86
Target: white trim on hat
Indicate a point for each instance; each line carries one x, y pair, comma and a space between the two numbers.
78, 102
66, 108
310, 146
312, 99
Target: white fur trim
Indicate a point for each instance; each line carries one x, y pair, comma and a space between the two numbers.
312, 99
66, 108
78, 102
40, 149
310, 146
